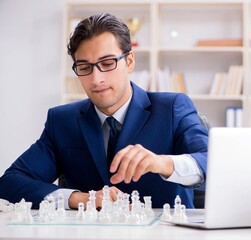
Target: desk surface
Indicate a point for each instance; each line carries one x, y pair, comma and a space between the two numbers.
158, 230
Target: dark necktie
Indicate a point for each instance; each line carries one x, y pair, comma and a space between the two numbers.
114, 133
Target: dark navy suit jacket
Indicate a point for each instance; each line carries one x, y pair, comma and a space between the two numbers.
72, 144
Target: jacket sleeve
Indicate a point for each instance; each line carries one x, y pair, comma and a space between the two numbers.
190, 136
32, 175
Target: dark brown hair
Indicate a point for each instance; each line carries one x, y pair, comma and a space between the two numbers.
96, 25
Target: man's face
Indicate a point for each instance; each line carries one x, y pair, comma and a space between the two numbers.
107, 90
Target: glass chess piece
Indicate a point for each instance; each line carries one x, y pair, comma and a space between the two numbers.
148, 206
61, 209
166, 215
81, 212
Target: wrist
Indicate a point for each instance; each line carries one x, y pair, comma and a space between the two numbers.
167, 168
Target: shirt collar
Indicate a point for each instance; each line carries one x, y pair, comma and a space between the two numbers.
119, 115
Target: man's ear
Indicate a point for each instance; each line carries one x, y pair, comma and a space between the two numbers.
130, 61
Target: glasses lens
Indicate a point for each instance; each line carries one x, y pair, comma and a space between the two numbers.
83, 69
107, 65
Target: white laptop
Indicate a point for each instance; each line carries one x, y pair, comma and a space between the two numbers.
228, 182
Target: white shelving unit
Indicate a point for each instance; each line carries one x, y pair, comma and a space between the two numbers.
167, 38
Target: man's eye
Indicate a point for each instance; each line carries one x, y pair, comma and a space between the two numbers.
107, 63
84, 67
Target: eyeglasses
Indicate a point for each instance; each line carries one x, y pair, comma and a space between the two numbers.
86, 68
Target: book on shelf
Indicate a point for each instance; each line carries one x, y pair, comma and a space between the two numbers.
235, 80
220, 43
229, 83
171, 82
219, 83
163, 77
178, 83
234, 117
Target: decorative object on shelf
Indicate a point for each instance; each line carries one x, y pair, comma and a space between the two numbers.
134, 25
174, 39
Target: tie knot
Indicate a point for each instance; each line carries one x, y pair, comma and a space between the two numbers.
112, 123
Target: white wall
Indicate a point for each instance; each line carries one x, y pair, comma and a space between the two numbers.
30, 48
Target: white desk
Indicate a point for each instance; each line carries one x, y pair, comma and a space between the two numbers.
157, 231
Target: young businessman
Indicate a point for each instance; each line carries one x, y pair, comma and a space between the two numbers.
160, 144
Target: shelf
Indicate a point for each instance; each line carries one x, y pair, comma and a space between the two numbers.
168, 37
201, 49
204, 21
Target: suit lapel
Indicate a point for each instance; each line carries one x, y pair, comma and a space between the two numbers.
91, 129
135, 119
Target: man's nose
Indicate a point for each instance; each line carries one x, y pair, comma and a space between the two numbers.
97, 75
